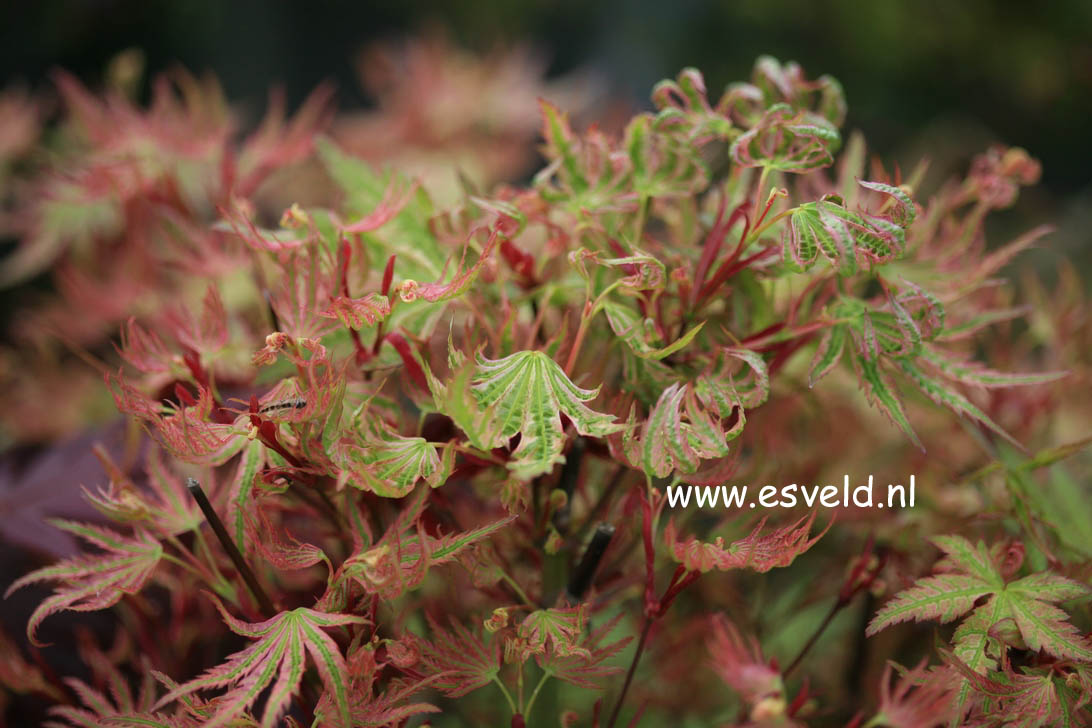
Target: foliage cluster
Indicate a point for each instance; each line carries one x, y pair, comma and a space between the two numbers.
391, 461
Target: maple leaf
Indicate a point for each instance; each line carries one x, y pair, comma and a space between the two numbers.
758, 552
548, 631
402, 557
207, 332
897, 336
683, 105
457, 661
594, 174
276, 143
847, 238
644, 272
970, 573
442, 289
739, 663
456, 399
686, 425
114, 702
583, 172
183, 430
660, 165
370, 706
238, 218
19, 675
144, 350
787, 140
170, 512
394, 199
680, 432
286, 552
1028, 699
389, 464
639, 336
98, 710
920, 697
280, 650
358, 312
529, 391
974, 373
774, 82
388, 707
583, 665
90, 583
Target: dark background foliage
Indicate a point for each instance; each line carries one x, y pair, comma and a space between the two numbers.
945, 77
1021, 72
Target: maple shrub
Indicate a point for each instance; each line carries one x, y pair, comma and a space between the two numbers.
393, 464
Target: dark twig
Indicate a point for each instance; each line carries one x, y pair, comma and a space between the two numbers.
229, 546
601, 504
582, 576
570, 473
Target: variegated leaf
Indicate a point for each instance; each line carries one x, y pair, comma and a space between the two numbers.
389, 464
529, 392
90, 583
787, 140
758, 551
279, 651
637, 334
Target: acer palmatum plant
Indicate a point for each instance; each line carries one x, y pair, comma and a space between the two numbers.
427, 450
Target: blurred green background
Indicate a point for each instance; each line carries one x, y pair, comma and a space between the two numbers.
949, 77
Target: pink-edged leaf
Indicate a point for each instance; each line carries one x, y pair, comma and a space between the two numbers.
827, 354
943, 598
359, 312
90, 583
971, 571
787, 140
1029, 699
144, 350
683, 106
442, 290
184, 431
458, 661
279, 651
378, 459
687, 423
919, 697
945, 396
394, 199
238, 218
402, 557
529, 392
280, 548
549, 631
969, 372
277, 143
1045, 627
206, 332
164, 507
881, 393
562, 146
758, 551
585, 667
739, 663
660, 165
